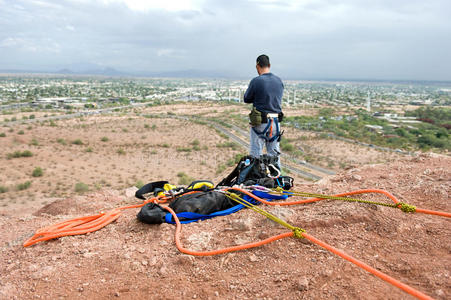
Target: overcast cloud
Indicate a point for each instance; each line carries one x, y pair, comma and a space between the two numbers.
381, 39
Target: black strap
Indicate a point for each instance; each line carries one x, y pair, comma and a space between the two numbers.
149, 188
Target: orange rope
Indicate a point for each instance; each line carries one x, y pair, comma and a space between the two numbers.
314, 240
92, 223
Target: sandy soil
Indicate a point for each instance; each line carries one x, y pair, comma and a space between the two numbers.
131, 260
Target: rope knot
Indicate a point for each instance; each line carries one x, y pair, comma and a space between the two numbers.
407, 208
297, 232
279, 189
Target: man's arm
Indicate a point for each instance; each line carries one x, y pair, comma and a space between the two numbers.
249, 94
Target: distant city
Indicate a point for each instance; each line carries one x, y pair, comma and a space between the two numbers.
90, 92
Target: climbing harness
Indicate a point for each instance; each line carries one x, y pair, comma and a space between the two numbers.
267, 134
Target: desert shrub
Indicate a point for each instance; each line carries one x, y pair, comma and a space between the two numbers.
154, 127
238, 157
183, 149
61, 141
165, 145
220, 169
89, 150
184, 179
52, 124
34, 142
146, 126
124, 130
20, 132
23, 186
195, 142
232, 145
17, 154
3, 189
104, 139
37, 172
196, 148
77, 142
32, 117
139, 184
120, 151
286, 146
81, 187
2, 134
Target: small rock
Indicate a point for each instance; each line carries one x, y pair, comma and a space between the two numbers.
216, 293
302, 284
185, 260
141, 250
144, 263
163, 271
253, 258
130, 192
356, 177
80, 289
117, 294
242, 224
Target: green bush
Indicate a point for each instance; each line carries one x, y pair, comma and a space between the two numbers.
183, 149
81, 187
232, 145
3, 189
2, 134
17, 154
104, 139
77, 142
34, 142
139, 184
286, 146
220, 169
27, 153
89, 150
61, 141
37, 172
195, 142
184, 179
120, 151
23, 186
20, 132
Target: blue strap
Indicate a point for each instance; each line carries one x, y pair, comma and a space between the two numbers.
190, 217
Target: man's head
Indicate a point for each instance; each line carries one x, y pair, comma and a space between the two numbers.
263, 64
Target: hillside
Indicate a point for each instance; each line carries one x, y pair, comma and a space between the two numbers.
131, 260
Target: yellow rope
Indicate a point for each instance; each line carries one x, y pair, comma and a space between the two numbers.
402, 206
297, 232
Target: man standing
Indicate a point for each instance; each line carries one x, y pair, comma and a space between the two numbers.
265, 93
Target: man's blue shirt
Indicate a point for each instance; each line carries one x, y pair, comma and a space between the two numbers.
265, 92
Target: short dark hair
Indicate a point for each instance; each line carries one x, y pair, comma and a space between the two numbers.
263, 61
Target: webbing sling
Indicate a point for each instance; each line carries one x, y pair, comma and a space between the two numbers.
266, 134
189, 217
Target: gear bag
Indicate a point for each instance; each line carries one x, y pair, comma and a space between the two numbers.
262, 171
199, 203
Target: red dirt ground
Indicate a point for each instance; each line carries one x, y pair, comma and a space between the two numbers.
131, 260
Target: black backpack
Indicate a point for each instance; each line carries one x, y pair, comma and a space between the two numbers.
261, 170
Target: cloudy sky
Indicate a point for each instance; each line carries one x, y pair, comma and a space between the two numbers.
305, 39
